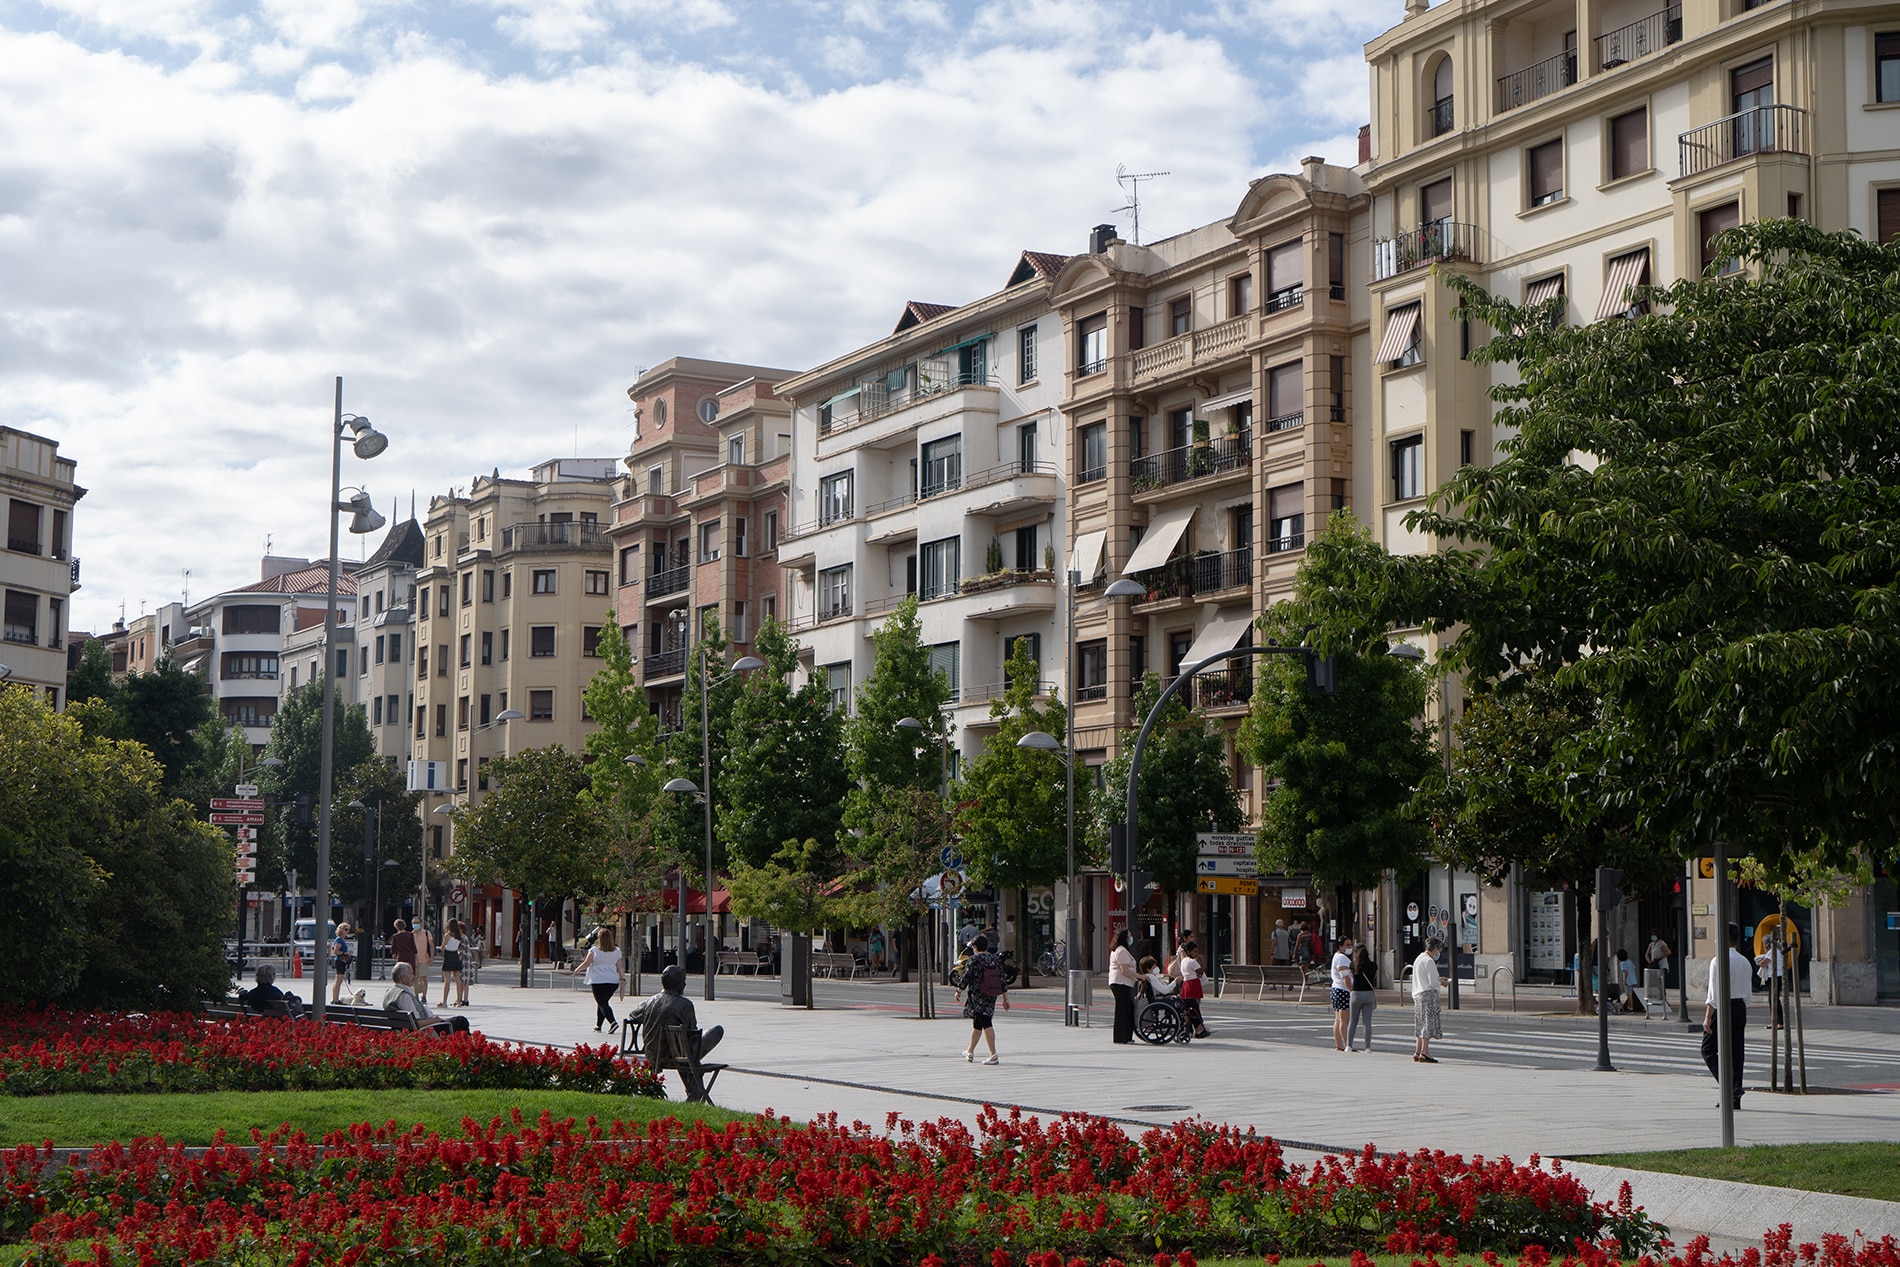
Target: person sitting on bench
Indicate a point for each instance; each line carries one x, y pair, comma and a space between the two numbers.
670, 1007
400, 999
266, 997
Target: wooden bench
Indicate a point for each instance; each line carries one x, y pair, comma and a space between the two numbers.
333, 1013
830, 963
744, 960
695, 1075
1262, 975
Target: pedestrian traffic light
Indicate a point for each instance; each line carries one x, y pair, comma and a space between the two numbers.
1322, 674
1139, 881
1609, 890
303, 809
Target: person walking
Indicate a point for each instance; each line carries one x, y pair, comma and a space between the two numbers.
425, 957
1739, 992
600, 968
983, 988
452, 950
1342, 991
1365, 995
1192, 990
1121, 983
1282, 943
402, 948
1426, 1019
342, 955
1768, 970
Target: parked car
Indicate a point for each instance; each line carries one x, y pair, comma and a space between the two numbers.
303, 935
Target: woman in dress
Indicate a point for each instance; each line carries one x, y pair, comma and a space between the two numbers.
1365, 997
452, 945
1425, 1014
982, 983
1192, 990
1122, 976
601, 969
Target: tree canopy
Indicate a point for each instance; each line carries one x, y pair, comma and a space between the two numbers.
783, 778
1012, 803
534, 830
296, 739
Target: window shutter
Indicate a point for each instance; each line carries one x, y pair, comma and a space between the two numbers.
1434, 202
1283, 268
1718, 220
1284, 390
1758, 75
1629, 143
1888, 219
1547, 172
1286, 502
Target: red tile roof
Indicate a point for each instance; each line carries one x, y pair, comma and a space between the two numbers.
310, 580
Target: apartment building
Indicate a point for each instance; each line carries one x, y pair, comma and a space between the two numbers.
696, 522
1210, 401
140, 644
38, 572
511, 594
236, 640
1567, 149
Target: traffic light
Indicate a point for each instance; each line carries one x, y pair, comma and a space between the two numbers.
303, 808
1322, 674
1139, 881
1609, 890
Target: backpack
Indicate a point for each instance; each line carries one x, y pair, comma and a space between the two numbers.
990, 976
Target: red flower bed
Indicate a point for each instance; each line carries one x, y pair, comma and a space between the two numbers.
43, 1052
1015, 1191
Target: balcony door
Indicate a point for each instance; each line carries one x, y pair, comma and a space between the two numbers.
1434, 206
1752, 91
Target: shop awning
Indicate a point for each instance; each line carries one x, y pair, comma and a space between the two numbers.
1401, 327
1223, 633
1625, 271
1085, 558
669, 902
1223, 402
1163, 531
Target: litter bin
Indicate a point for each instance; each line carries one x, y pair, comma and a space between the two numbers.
794, 976
1081, 998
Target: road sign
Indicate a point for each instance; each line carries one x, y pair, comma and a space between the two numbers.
246, 789
1248, 865
247, 877
458, 895
236, 802
1705, 867
1231, 885
1224, 844
950, 858
244, 833
237, 818
952, 883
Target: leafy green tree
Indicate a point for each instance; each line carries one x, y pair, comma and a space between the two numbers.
116, 896
679, 826
783, 778
397, 834
634, 815
1345, 764
1692, 521
796, 889
534, 831
296, 739
166, 710
881, 757
92, 679
1013, 801
1186, 789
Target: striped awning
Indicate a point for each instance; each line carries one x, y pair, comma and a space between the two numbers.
1401, 330
1225, 402
1223, 633
1625, 271
1543, 290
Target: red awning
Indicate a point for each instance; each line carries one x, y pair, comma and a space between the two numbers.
669, 902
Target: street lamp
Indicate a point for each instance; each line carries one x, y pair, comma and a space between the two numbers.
366, 442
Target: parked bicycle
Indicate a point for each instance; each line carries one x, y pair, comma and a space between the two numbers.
1054, 961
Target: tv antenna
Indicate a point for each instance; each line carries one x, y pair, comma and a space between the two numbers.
1131, 181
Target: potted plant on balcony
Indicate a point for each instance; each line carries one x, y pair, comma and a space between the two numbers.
1201, 455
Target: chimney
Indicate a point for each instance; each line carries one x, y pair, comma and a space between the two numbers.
1099, 238
1312, 167
1365, 142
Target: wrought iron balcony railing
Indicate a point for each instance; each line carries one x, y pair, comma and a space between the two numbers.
1640, 38
1521, 87
1762, 130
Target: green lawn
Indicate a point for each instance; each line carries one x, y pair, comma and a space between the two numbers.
1853, 1170
192, 1119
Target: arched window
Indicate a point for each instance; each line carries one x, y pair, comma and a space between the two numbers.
1441, 109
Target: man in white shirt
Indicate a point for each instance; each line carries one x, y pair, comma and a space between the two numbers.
1282, 943
1739, 991
401, 999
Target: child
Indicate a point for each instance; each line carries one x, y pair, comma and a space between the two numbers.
1191, 977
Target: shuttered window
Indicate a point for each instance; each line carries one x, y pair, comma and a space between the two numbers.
1434, 202
1629, 144
1547, 173
1717, 220
1888, 215
1285, 397
1284, 273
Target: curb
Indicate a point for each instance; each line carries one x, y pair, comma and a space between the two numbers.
1725, 1210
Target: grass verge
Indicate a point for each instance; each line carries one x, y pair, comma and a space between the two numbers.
1851, 1170
76, 1120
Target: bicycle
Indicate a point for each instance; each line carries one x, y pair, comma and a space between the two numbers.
1054, 961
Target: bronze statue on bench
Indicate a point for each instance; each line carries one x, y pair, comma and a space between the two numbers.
670, 1038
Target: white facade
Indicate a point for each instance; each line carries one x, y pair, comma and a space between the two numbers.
38, 572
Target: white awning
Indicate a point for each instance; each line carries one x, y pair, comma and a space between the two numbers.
1085, 558
1227, 401
1401, 326
1223, 633
1163, 531
1625, 271
1543, 289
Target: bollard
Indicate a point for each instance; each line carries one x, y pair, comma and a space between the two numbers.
1080, 998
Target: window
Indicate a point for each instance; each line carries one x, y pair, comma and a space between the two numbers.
484, 711
1091, 459
768, 608
594, 583
1887, 66
255, 713
540, 641
943, 465
1752, 89
1629, 144
488, 585
1441, 98
944, 659
468, 589
1241, 537
1336, 265
379, 649
942, 568
1240, 294
656, 480
391, 713
1337, 382
630, 565
834, 498
442, 660
441, 721
252, 620
461, 713
507, 584
376, 711
973, 362
395, 648
1465, 442
1401, 344
1546, 165
735, 450
540, 705
738, 537
708, 621
1180, 428
1091, 346
1026, 354
467, 650
1711, 223
422, 603
504, 646
709, 542
422, 661
438, 545
1026, 448
23, 526
248, 664
590, 641
1435, 204
1137, 658
1286, 518
461, 785
1137, 437
1286, 397
1286, 277
544, 580
1542, 291
1091, 670
1887, 215
1137, 328
442, 601
771, 531
838, 682
1181, 315
1031, 643
1623, 272
501, 701
1408, 468
834, 592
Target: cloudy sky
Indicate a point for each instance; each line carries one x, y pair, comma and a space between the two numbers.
488, 214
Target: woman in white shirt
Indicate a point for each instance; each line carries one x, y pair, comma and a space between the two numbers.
1192, 989
1121, 983
1342, 991
602, 966
1426, 1022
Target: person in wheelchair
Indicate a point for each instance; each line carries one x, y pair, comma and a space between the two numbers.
1154, 984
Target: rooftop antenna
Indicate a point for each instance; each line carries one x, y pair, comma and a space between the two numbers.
1131, 181
268, 539
187, 587
412, 503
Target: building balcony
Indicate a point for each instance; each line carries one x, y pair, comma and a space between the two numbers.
565, 536
1521, 87
1194, 462
1089, 694
1762, 130
1282, 300
832, 519
1217, 690
871, 401
1639, 38
1008, 593
1415, 248
663, 664
1442, 116
1286, 543
996, 690
1198, 575
1198, 347
671, 581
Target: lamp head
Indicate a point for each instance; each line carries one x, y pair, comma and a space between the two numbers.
1125, 588
909, 723
358, 805
510, 714
635, 759
1040, 741
747, 662
443, 809
681, 785
272, 763
1406, 651
363, 515
369, 441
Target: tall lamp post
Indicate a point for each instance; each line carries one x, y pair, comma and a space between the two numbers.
365, 928
743, 664
366, 442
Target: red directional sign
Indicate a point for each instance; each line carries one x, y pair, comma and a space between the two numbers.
237, 802
230, 819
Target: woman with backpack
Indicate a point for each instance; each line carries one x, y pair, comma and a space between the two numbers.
982, 984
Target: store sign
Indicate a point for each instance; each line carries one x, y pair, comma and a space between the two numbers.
1293, 899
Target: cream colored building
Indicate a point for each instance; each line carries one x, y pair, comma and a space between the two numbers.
1566, 149
38, 572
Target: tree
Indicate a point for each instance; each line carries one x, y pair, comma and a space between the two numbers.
679, 826
296, 739
535, 831
116, 897
1344, 765
633, 815
1186, 789
783, 778
92, 680
1692, 521
166, 711
1013, 801
397, 834
796, 889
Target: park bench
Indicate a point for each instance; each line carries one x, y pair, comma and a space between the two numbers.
1261, 976
696, 1075
333, 1013
830, 963
739, 961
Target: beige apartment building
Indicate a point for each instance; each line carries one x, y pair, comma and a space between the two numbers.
236, 640
696, 521
38, 572
514, 588
1568, 149
1215, 421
